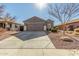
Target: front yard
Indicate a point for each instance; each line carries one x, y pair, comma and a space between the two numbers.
39, 37
62, 44
25, 40
6, 34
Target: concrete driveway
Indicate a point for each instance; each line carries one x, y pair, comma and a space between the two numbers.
27, 39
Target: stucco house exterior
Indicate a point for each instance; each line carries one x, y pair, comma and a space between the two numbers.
70, 25
9, 23
37, 24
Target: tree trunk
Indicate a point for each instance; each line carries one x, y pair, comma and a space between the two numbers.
63, 30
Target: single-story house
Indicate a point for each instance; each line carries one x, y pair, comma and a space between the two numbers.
70, 25
37, 24
9, 23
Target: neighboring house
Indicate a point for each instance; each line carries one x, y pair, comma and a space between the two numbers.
37, 24
9, 24
70, 25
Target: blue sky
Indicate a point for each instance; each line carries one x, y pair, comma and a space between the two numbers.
23, 11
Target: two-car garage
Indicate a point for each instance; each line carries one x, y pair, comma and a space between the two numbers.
36, 24
35, 27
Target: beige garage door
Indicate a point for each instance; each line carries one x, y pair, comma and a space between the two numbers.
35, 27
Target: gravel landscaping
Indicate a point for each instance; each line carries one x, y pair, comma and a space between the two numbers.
6, 34
63, 44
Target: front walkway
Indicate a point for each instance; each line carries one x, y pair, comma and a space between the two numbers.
27, 40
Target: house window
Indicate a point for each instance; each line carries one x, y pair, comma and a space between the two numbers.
77, 27
10, 25
4, 26
1, 24
15, 26
71, 28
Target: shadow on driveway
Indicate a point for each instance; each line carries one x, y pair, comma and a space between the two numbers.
27, 35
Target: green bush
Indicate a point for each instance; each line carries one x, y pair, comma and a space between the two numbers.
54, 30
49, 29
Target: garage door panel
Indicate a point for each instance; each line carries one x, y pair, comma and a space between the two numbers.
35, 27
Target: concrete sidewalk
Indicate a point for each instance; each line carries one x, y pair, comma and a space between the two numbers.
38, 52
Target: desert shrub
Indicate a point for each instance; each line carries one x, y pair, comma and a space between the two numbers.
54, 30
49, 29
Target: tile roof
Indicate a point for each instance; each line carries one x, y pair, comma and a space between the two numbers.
34, 19
72, 21
75, 20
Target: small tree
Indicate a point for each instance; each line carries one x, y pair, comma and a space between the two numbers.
8, 16
63, 12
